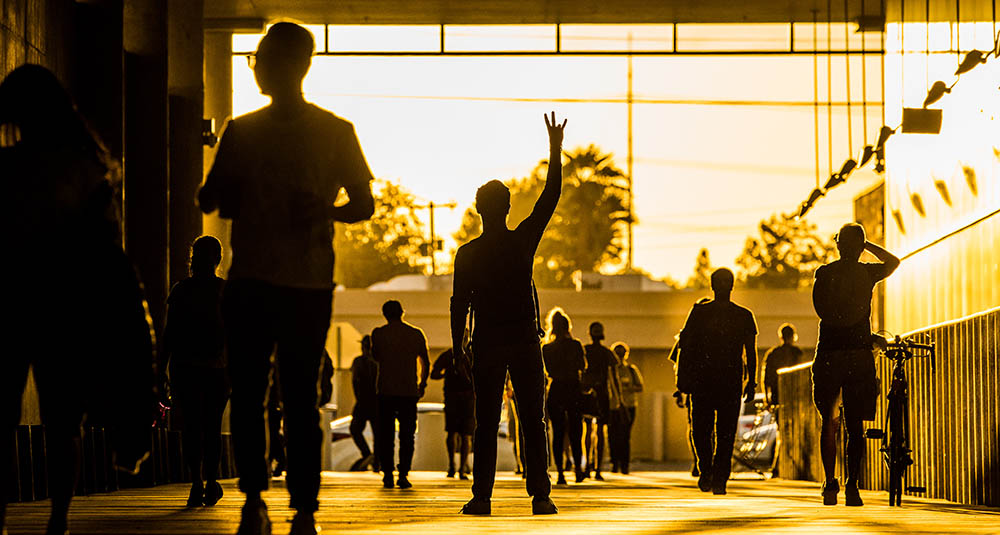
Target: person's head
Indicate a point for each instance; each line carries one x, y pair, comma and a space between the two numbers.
787, 333
206, 255
722, 281
851, 241
558, 323
493, 202
36, 110
620, 350
392, 310
596, 331
282, 59
366, 345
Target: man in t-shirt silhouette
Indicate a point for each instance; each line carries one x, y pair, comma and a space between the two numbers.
844, 366
276, 175
397, 347
715, 338
493, 278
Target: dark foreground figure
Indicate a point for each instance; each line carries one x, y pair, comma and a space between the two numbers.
493, 278
364, 376
276, 175
194, 351
564, 363
459, 409
844, 367
73, 307
398, 347
713, 341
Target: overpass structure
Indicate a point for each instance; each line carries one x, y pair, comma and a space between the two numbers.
147, 73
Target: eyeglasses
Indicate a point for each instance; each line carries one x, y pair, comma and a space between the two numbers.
251, 60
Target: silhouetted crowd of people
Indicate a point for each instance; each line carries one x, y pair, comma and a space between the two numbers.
257, 339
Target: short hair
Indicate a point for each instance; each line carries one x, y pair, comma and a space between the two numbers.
558, 316
852, 231
787, 330
622, 345
366, 342
392, 309
723, 279
289, 42
206, 252
492, 197
595, 324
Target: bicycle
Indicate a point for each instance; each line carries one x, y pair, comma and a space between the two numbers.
895, 447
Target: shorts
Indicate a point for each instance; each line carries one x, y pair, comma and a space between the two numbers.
460, 414
849, 375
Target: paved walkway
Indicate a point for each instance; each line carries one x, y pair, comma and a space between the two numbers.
643, 503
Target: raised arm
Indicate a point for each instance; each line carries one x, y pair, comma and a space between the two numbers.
545, 206
890, 261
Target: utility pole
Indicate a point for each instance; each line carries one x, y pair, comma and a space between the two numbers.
433, 246
628, 160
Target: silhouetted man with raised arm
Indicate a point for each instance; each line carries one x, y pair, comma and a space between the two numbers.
276, 175
493, 278
713, 342
844, 366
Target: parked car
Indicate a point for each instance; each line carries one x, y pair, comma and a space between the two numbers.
756, 436
429, 451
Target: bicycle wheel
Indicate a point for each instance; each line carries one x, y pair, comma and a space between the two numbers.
897, 450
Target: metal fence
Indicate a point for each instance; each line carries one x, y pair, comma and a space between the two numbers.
954, 417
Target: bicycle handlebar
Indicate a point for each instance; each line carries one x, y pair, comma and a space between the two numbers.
906, 347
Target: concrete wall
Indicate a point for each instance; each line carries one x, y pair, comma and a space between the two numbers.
647, 321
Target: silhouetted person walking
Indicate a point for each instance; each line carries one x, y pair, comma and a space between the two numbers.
459, 410
73, 307
564, 362
364, 376
194, 349
714, 339
397, 347
782, 356
493, 278
599, 374
630, 385
844, 366
276, 175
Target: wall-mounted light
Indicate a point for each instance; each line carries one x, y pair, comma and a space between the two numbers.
971, 61
921, 121
883, 136
938, 90
918, 204
866, 155
942, 188
898, 217
970, 179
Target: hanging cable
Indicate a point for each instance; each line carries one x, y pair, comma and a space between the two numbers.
847, 62
829, 85
816, 93
864, 81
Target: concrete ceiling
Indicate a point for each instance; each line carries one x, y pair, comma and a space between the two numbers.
532, 11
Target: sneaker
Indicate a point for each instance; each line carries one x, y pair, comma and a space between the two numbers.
402, 482
543, 506
598, 476
254, 520
451, 472
196, 496
561, 480
387, 481
477, 506
625, 469
213, 493
304, 524
830, 490
852, 497
705, 483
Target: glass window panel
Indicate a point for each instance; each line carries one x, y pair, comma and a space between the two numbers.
246, 43
385, 38
726, 37
500, 38
838, 41
615, 37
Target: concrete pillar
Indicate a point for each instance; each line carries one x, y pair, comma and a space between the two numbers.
185, 49
218, 106
146, 148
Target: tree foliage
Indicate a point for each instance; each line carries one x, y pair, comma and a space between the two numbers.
386, 245
470, 228
785, 254
587, 230
702, 276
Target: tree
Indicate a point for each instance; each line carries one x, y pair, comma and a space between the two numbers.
384, 246
470, 229
702, 276
785, 255
586, 232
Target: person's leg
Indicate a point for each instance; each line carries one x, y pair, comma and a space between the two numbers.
625, 458
614, 440
385, 436
186, 400
247, 309
528, 378
305, 320
702, 424
465, 447
407, 433
488, 375
602, 428
12, 381
727, 420
695, 471
216, 395
557, 418
358, 422
275, 437
451, 444
574, 427
59, 396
